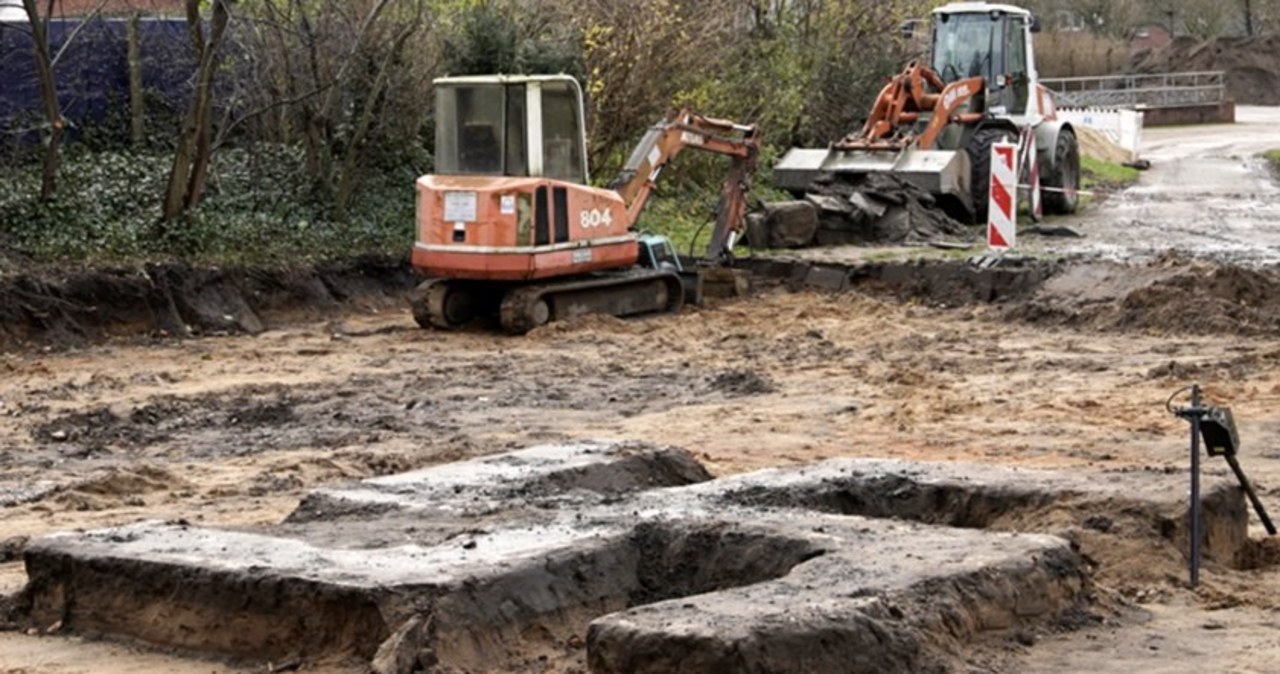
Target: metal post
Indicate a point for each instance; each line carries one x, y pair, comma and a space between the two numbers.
1253, 495
1195, 484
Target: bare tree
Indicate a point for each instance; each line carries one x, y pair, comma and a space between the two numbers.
194, 151
48, 96
345, 79
638, 56
46, 61
134, 64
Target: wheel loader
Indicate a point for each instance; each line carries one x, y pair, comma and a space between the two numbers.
509, 223
933, 125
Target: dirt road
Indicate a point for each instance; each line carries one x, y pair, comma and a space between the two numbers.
1208, 193
233, 430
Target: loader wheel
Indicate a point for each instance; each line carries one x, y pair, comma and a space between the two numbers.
1063, 176
979, 150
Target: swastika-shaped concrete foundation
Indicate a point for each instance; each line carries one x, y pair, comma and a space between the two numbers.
626, 551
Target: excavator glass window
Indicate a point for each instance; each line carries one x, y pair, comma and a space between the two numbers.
480, 130
562, 133
969, 45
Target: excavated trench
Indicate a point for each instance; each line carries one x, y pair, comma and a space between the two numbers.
86, 306
1013, 500
623, 558
1170, 293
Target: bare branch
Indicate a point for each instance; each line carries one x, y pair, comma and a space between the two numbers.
226, 130
72, 37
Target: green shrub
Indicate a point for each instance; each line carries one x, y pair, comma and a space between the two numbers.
257, 210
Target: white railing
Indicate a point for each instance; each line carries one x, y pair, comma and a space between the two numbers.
1122, 126
1137, 91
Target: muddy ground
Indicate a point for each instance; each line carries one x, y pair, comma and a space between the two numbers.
235, 428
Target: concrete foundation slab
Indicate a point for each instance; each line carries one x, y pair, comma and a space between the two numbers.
482, 565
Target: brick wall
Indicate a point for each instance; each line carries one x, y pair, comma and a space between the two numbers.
82, 7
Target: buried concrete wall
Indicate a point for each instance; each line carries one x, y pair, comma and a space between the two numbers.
620, 557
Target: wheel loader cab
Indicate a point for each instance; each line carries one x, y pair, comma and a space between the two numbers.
988, 41
511, 126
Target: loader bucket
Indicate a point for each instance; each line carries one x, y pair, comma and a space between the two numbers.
943, 173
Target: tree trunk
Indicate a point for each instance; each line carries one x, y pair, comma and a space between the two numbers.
319, 116
137, 132
192, 155
347, 181
48, 98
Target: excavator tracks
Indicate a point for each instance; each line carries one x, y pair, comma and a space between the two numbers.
616, 294
448, 303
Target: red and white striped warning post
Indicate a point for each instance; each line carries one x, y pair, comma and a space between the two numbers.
1002, 208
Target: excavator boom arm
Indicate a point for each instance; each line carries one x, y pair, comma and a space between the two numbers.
686, 129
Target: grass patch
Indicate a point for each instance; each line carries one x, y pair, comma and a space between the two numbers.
684, 211
1103, 178
1097, 173
1272, 157
687, 221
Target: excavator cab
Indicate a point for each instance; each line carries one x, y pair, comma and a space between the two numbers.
514, 126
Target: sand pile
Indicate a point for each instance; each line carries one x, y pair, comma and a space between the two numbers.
1252, 64
1095, 144
1171, 295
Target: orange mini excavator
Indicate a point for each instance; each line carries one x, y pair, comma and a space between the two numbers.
510, 224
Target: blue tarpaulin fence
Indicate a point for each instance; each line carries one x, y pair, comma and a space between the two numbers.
93, 74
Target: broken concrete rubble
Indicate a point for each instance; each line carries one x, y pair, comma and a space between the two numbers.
869, 209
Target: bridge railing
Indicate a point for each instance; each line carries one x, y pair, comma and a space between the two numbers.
1146, 90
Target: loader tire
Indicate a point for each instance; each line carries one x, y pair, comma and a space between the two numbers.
1063, 176
979, 150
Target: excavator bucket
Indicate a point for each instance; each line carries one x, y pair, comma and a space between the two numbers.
943, 173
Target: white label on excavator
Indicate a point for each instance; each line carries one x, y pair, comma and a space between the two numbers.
654, 155
507, 204
460, 206
691, 138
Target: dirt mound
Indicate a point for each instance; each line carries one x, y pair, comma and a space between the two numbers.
56, 307
1171, 295
585, 324
118, 486
739, 383
1252, 64
1094, 143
